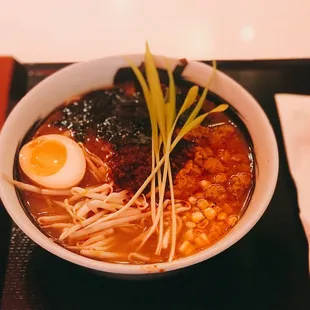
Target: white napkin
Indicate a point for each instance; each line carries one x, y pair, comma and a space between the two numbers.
294, 113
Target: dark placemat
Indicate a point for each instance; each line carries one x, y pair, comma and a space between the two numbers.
267, 269
13, 85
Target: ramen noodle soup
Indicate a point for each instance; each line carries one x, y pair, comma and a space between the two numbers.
114, 176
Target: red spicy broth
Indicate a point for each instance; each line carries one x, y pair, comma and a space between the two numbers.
212, 170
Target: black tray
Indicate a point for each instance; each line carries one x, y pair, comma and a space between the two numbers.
267, 269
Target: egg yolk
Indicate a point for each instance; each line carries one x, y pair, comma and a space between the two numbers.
48, 157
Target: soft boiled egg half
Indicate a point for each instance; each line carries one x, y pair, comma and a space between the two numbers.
53, 161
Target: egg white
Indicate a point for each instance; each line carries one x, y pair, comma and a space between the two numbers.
68, 176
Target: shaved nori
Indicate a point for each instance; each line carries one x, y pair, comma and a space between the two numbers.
109, 114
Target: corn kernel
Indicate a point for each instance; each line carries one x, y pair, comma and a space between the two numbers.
186, 248
204, 237
204, 184
199, 195
190, 225
227, 208
232, 220
184, 218
203, 224
189, 235
199, 241
197, 217
192, 200
202, 240
210, 214
216, 228
213, 236
202, 204
222, 216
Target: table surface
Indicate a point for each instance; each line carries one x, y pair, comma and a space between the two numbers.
267, 269
58, 30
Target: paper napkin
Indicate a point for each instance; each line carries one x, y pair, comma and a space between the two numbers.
294, 113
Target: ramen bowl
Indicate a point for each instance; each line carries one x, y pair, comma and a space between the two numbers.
83, 77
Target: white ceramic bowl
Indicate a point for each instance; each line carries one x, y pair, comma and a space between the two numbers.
79, 78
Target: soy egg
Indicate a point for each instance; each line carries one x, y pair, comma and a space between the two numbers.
53, 161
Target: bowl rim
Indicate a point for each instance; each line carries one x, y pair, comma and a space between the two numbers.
38, 237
